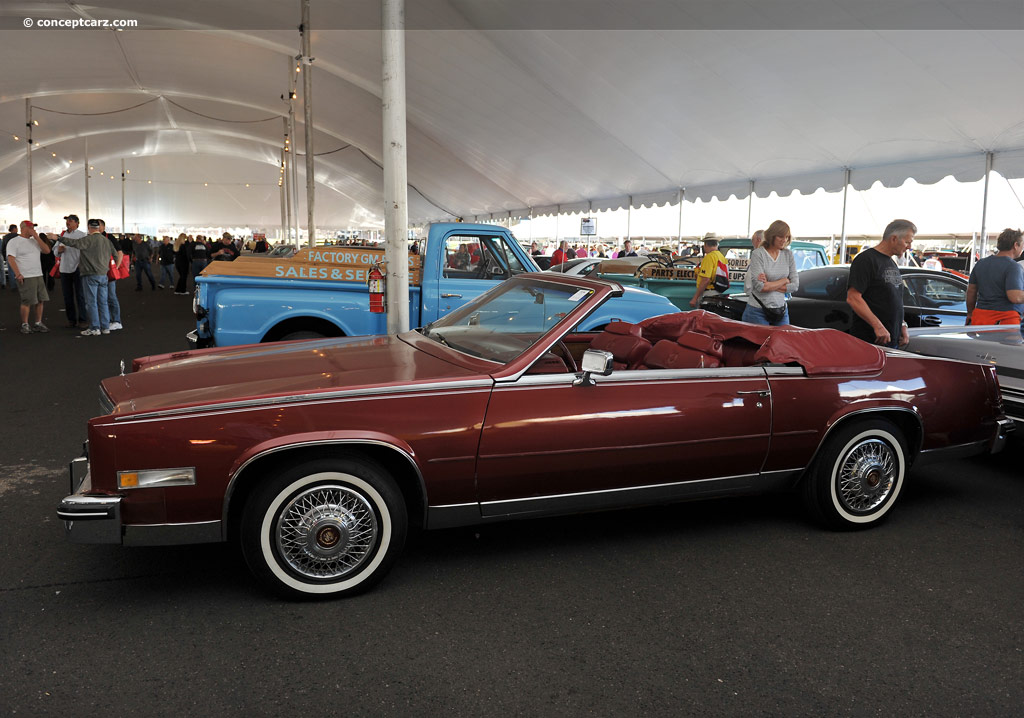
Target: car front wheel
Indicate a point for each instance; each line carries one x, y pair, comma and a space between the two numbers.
858, 475
326, 528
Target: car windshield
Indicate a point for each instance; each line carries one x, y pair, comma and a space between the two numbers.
504, 322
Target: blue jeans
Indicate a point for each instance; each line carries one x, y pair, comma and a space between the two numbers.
167, 274
198, 265
140, 268
95, 286
755, 315
113, 305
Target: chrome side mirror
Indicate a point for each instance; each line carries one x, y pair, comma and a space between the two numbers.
597, 362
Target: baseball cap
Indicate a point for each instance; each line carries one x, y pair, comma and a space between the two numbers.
94, 223
29, 222
72, 216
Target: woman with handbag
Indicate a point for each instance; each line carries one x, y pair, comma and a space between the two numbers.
772, 272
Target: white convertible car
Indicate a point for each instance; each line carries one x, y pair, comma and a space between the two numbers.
999, 346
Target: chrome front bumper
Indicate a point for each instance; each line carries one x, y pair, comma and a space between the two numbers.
89, 519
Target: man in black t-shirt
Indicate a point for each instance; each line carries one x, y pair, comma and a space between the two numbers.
875, 291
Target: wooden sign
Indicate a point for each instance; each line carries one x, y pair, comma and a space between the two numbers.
340, 264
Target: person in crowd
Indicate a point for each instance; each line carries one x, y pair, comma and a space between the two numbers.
143, 254
113, 305
199, 255
166, 257
182, 260
260, 246
48, 261
627, 249
581, 252
535, 250
756, 240
708, 269
995, 292
226, 251
875, 292
772, 274
24, 255
561, 254
70, 278
96, 252
8, 277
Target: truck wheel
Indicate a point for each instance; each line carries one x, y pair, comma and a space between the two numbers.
858, 475
326, 528
302, 334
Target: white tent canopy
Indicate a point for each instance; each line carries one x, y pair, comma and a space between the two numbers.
514, 108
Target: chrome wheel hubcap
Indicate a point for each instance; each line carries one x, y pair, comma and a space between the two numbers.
867, 475
326, 532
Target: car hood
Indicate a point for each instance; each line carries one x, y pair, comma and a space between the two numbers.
217, 376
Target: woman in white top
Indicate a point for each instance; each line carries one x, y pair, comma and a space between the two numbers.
772, 272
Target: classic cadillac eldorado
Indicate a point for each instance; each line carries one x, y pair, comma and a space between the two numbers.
316, 456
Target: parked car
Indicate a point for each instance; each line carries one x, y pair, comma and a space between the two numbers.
930, 298
318, 455
999, 346
624, 268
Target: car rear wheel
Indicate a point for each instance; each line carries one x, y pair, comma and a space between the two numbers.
857, 477
329, 527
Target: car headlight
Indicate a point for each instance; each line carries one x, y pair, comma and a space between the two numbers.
150, 478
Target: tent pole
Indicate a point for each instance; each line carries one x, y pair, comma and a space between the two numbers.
629, 218
750, 206
28, 153
87, 178
679, 228
307, 103
984, 211
280, 186
122, 196
842, 236
293, 166
396, 191
286, 182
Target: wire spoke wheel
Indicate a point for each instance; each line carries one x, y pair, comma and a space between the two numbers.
326, 532
867, 475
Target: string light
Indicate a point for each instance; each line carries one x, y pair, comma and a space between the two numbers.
35, 122
16, 137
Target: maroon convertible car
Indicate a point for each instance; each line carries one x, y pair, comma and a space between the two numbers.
317, 455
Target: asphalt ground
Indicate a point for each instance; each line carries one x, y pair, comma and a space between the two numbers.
736, 607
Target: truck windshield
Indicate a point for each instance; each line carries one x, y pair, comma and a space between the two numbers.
506, 321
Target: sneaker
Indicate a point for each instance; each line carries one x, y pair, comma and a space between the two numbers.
90, 332
26, 329
160, 286
114, 326
40, 327
104, 331
184, 294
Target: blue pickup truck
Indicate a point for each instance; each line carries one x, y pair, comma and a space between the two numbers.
322, 291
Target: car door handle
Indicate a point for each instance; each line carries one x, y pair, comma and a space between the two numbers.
758, 392
930, 320
450, 296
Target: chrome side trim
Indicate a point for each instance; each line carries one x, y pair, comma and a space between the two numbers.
950, 453
632, 376
173, 534
638, 495
321, 396
325, 442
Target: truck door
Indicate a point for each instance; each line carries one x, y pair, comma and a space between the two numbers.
470, 265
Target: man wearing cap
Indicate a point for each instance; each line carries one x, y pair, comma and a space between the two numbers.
226, 251
24, 254
70, 279
94, 261
709, 268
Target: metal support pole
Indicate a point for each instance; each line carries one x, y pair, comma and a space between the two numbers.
122, 195
679, 231
842, 236
87, 178
280, 184
28, 152
307, 104
286, 182
984, 211
293, 166
396, 192
750, 206
629, 218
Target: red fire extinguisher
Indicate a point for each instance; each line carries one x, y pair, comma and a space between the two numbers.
375, 280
